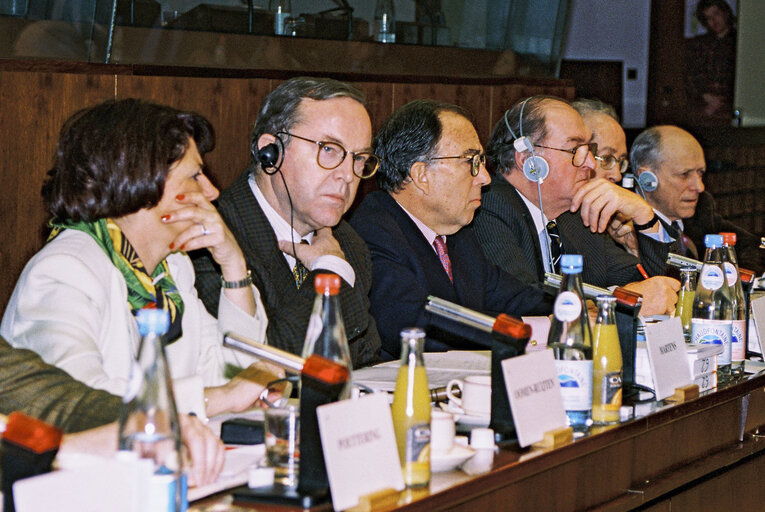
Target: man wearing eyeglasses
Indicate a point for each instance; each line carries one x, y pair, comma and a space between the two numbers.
526, 237
431, 174
311, 147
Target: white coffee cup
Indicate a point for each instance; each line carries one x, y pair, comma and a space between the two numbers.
441, 431
475, 393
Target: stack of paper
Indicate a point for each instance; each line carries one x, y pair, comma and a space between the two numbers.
702, 361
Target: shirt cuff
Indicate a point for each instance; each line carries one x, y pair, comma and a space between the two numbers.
232, 319
337, 265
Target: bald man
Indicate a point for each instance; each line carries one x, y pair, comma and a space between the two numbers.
680, 201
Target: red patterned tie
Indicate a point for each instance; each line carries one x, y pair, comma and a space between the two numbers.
440, 246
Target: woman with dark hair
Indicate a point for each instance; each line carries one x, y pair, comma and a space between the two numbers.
127, 195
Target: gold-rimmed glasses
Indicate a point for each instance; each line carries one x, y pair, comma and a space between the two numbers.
331, 154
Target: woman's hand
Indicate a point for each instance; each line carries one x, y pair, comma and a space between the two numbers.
208, 230
244, 391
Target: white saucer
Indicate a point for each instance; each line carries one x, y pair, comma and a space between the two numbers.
467, 420
447, 461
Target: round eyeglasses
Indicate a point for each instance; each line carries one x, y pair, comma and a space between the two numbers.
331, 154
578, 152
476, 161
608, 161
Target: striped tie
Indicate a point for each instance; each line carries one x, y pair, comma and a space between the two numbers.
440, 246
556, 246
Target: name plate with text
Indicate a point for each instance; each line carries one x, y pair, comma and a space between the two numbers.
667, 356
535, 399
359, 448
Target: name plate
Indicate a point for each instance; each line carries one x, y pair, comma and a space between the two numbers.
667, 356
532, 386
758, 312
359, 448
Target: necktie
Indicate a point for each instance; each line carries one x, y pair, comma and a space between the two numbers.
556, 246
299, 271
440, 246
687, 246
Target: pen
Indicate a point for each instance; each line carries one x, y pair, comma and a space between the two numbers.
642, 271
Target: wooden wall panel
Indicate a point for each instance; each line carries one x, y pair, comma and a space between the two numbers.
33, 106
230, 104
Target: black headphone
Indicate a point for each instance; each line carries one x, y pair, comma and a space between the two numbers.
270, 156
535, 168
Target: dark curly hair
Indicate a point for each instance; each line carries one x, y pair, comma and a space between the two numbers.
112, 159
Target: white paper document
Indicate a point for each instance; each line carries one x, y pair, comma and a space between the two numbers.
440, 366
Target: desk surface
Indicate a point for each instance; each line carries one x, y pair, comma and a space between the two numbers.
668, 452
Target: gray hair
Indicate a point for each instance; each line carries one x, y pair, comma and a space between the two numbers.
500, 151
587, 106
646, 150
279, 111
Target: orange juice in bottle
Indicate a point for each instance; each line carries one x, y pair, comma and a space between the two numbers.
607, 364
411, 410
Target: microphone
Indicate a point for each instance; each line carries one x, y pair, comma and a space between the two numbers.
623, 296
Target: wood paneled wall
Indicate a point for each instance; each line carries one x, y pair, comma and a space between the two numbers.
36, 98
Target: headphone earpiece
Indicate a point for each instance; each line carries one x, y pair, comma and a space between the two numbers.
648, 181
536, 168
268, 155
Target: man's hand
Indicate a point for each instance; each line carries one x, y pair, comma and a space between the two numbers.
659, 294
323, 244
621, 230
599, 199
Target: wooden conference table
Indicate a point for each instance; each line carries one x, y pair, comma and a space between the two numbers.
704, 454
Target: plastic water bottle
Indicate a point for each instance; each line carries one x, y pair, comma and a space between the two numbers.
325, 335
713, 304
571, 341
148, 423
738, 325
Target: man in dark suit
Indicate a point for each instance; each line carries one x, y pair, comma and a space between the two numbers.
517, 236
310, 147
431, 174
687, 211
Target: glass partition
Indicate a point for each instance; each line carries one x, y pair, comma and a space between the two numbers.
522, 34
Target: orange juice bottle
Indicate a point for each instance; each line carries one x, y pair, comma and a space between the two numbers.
607, 364
411, 410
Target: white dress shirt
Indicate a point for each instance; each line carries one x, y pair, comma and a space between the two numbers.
284, 231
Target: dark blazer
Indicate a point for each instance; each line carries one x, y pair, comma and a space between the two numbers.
29, 385
289, 308
707, 220
406, 269
506, 231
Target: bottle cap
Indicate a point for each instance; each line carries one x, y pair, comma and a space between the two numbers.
729, 238
327, 283
713, 241
155, 321
571, 263
412, 332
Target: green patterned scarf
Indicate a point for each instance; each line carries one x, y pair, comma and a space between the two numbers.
155, 291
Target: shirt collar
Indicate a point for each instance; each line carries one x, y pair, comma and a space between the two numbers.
540, 220
281, 227
428, 233
667, 221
